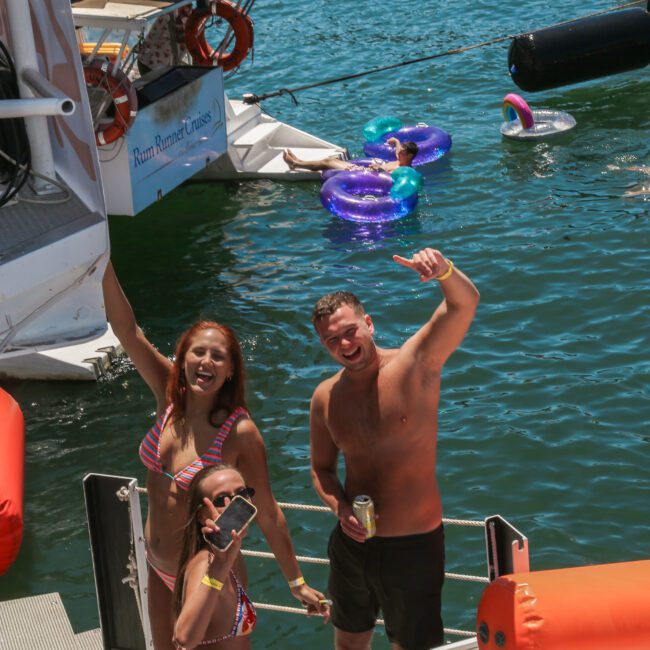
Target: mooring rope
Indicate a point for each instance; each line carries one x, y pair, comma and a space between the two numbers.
252, 98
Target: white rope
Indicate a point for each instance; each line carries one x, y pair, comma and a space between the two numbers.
304, 506
320, 560
132, 578
317, 560
380, 621
467, 578
465, 633
463, 522
301, 558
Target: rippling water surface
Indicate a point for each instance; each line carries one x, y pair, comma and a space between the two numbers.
544, 409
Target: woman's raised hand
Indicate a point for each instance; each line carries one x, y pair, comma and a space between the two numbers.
229, 555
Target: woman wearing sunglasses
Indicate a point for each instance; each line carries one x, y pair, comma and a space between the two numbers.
210, 603
202, 420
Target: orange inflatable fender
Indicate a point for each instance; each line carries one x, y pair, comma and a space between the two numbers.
601, 607
197, 45
12, 468
101, 74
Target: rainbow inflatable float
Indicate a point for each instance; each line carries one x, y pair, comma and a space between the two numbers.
522, 123
12, 464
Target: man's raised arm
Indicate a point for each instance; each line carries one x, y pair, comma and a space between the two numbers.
445, 330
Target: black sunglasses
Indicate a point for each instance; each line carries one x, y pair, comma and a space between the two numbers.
246, 492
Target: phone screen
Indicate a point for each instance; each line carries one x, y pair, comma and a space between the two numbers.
238, 513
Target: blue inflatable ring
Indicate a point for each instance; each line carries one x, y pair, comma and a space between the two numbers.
433, 143
364, 196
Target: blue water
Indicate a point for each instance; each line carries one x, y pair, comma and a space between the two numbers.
544, 409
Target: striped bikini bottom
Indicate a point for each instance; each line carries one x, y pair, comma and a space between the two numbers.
168, 579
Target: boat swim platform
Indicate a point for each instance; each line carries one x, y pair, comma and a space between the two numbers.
41, 623
256, 144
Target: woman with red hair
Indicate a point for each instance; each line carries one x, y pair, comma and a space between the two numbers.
202, 420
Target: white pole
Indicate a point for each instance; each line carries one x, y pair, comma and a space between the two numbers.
35, 107
43, 87
24, 54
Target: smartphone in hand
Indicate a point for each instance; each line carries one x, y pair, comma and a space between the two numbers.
237, 514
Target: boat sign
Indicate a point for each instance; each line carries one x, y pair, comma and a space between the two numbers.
180, 128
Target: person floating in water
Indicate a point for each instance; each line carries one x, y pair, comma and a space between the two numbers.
641, 188
404, 154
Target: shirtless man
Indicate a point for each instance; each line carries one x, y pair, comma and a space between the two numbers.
404, 154
380, 412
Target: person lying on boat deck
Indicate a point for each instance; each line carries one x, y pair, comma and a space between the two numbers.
202, 420
210, 602
637, 190
380, 411
164, 44
404, 154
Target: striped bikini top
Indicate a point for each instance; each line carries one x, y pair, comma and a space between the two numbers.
150, 448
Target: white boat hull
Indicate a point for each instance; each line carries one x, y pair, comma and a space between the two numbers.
85, 360
54, 243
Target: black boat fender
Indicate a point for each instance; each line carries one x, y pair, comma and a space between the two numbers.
580, 50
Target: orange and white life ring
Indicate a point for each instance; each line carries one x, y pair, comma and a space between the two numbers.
198, 46
100, 74
12, 467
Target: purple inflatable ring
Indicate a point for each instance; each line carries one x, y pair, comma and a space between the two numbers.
364, 196
433, 143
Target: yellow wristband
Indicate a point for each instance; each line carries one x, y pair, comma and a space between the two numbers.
298, 582
447, 273
212, 582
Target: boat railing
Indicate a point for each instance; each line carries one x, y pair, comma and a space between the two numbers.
306, 559
117, 544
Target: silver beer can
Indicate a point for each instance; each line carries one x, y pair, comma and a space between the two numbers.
364, 511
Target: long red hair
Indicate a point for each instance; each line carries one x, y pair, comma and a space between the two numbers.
232, 393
